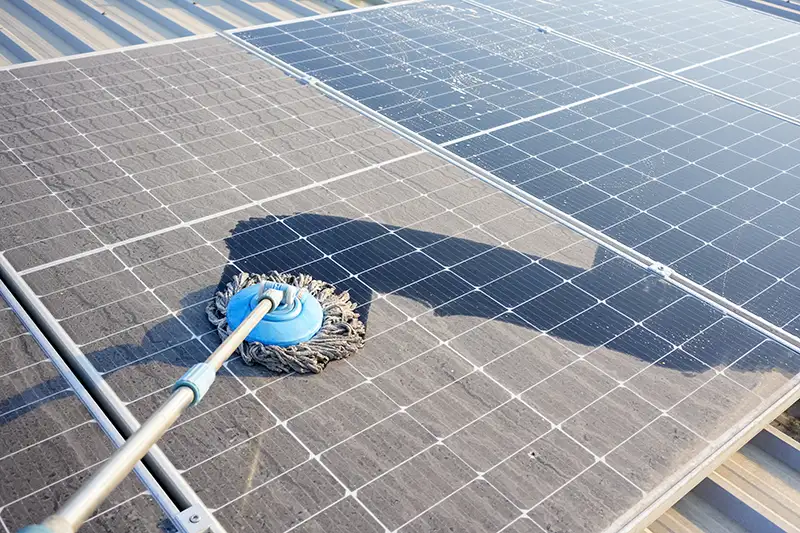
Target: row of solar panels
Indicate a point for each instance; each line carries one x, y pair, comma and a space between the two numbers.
141, 179
641, 135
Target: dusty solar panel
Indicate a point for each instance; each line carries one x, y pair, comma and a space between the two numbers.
689, 179
513, 367
51, 443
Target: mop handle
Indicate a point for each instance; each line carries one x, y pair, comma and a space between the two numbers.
188, 390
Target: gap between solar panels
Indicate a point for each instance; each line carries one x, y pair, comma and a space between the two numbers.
636, 257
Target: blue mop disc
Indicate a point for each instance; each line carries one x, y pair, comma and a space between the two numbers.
284, 326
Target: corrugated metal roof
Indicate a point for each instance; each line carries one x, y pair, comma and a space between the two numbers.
43, 29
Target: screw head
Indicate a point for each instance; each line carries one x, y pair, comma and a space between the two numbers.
195, 518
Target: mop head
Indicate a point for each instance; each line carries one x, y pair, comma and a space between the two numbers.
341, 334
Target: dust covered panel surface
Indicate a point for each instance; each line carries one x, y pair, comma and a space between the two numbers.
76, 133
51, 443
516, 376
700, 183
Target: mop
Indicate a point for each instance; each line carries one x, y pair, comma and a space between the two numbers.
322, 326
285, 322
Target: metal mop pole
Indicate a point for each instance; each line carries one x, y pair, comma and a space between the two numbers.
188, 390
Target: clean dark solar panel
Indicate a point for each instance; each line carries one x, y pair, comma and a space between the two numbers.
500, 342
767, 75
665, 34
743, 53
51, 442
689, 179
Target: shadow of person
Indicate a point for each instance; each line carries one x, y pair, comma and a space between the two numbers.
447, 283
455, 277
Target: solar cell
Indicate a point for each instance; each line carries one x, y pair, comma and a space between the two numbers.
510, 361
687, 178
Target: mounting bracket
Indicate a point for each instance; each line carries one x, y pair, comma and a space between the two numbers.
195, 519
661, 269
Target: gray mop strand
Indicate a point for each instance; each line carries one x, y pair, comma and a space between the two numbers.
341, 335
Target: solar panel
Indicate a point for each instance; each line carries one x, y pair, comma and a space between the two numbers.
668, 35
740, 52
767, 76
686, 178
51, 442
512, 366
445, 70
